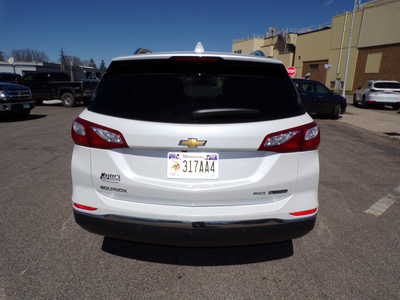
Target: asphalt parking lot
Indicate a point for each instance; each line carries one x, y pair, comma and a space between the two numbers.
381, 120
351, 253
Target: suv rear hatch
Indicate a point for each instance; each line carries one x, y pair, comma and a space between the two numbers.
193, 127
388, 91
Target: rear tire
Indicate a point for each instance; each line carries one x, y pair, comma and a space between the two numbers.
68, 99
363, 102
355, 102
336, 112
396, 106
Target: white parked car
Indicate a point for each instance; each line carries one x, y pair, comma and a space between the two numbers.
197, 149
383, 92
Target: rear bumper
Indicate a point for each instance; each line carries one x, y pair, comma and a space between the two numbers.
194, 234
383, 100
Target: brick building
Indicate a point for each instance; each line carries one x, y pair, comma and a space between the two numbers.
323, 51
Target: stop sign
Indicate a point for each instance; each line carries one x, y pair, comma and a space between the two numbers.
291, 71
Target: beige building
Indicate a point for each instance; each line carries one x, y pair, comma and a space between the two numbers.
312, 53
278, 45
323, 52
247, 46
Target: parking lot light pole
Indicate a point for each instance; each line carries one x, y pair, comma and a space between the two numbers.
346, 72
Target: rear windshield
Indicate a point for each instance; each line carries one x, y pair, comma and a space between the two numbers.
387, 85
196, 91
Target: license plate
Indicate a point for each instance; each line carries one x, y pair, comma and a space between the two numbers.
193, 165
26, 105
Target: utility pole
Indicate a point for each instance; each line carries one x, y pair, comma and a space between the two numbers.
339, 65
346, 72
71, 60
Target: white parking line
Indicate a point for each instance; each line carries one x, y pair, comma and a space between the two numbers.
383, 204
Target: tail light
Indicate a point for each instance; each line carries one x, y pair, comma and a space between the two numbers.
302, 138
85, 207
304, 212
93, 135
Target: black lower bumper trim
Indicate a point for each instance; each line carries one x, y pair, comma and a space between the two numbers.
197, 233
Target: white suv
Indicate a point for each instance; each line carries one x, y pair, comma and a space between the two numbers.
382, 92
196, 149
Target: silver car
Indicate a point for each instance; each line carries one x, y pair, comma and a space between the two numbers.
381, 92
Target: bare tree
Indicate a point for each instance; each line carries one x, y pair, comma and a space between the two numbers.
92, 63
103, 67
74, 60
29, 55
89, 63
63, 61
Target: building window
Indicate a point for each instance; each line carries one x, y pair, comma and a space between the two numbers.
373, 64
314, 66
237, 51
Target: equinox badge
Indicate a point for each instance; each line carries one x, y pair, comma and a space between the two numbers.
192, 142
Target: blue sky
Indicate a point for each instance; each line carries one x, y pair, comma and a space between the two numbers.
106, 29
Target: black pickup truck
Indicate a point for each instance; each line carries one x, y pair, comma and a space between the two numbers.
57, 85
15, 98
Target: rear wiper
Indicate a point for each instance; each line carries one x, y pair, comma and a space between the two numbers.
215, 112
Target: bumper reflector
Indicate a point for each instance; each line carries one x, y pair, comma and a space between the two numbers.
304, 212
80, 206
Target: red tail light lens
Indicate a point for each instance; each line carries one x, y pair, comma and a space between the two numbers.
81, 206
302, 138
304, 212
93, 135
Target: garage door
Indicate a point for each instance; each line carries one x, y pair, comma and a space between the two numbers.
316, 69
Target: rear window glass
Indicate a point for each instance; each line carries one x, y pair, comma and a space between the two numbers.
387, 85
191, 91
304, 86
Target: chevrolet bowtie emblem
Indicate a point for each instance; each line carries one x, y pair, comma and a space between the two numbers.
192, 143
